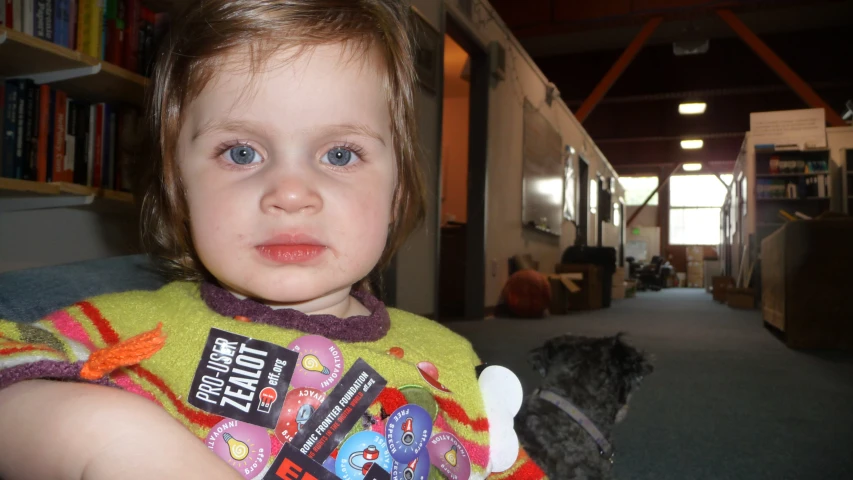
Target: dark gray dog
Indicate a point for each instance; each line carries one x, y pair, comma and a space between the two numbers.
566, 424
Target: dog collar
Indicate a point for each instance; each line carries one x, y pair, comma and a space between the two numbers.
604, 447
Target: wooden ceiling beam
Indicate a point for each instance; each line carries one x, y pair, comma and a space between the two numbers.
773, 61
616, 70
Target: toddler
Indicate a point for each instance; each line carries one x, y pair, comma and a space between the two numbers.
283, 172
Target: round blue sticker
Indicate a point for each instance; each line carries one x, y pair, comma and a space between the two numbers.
417, 469
359, 453
407, 431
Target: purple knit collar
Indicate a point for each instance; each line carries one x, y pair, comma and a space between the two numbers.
359, 328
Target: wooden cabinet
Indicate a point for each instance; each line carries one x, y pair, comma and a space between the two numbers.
806, 282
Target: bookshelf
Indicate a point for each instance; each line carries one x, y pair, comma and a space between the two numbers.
81, 77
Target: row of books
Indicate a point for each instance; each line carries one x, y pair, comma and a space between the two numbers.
48, 137
818, 186
121, 32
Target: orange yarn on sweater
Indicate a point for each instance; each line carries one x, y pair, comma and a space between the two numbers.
123, 354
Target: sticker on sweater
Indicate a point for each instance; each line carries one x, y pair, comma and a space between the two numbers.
320, 362
291, 464
430, 373
360, 453
417, 469
244, 446
344, 406
299, 405
407, 431
448, 454
242, 378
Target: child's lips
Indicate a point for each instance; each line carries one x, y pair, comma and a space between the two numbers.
291, 248
294, 253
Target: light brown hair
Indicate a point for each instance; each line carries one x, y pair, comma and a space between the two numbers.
187, 61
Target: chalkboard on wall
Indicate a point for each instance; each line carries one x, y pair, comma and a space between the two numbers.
543, 174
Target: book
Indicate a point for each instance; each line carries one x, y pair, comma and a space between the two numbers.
10, 128
98, 147
31, 123
28, 17
42, 150
60, 124
81, 144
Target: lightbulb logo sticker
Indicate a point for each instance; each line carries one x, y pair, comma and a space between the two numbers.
361, 452
417, 469
299, 405
244, 446
319, 365
448, 454
407, 431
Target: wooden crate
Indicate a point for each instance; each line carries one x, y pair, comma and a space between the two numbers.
743, 298
721, 284
589, 297
806, 283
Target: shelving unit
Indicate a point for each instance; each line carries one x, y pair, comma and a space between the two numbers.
79, 75
752, 218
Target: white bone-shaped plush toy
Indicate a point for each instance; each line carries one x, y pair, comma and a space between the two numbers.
502, 396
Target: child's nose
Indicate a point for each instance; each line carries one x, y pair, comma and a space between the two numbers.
292, 194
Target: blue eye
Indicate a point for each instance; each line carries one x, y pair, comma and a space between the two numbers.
242, 154
339, 157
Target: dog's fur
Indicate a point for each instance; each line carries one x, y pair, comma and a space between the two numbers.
598, 376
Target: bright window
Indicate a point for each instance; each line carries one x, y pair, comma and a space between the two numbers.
638, 189
694, 215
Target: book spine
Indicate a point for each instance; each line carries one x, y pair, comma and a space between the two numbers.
3, 15
18, 14
39, 12
131, 42
32, 132
82, 15
58, 35
71, 129
10, 128
29, 17
42, 150
96, 25
59, 126
113, 147
49, 25
120, 33
72, 23
51, 125
82, 144
90, 145
98, 147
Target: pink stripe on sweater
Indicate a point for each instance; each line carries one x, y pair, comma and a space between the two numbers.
478, 453
127, 384
70, 328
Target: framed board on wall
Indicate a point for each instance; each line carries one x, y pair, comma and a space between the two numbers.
543, 174
570, 188
427, 53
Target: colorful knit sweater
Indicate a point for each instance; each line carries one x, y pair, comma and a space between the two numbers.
412, 353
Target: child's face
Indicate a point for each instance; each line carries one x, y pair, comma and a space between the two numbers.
289, 175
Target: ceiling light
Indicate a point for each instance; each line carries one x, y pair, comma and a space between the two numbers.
691, 144
692, 167
692, 108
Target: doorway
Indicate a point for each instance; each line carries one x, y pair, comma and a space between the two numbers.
462, 188
583, 202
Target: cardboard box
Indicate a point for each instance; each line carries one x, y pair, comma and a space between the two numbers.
618, 292
562, 287
589, 295
630, 288
720, 284
695, 253
743, 298
619, 276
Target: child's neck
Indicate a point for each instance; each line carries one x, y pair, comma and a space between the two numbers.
339, 304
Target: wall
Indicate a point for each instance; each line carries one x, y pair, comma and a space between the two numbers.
504, 234
454, 152
54, 236
647, 218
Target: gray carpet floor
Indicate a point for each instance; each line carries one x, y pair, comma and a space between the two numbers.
727, 399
